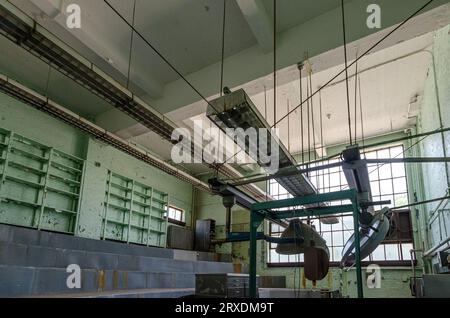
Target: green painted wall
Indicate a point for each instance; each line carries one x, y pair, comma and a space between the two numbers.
29, 122
435, 113
100, 158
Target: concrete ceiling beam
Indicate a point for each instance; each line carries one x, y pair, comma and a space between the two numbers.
259, 22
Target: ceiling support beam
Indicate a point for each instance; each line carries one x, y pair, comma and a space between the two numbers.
259, 21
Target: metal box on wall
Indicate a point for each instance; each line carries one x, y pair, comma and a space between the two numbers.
180, 238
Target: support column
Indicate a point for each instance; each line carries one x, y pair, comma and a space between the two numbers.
255, 222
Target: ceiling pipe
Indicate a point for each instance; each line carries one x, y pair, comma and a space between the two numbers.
30, 97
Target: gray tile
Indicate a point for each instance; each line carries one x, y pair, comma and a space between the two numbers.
12, 254
15, 281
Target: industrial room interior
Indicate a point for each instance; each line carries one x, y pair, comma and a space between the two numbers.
217, 149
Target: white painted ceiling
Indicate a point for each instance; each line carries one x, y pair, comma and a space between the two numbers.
293, 12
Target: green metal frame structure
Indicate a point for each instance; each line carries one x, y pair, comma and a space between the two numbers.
265, 210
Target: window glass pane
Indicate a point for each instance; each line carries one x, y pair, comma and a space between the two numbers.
327, 237
338, 238
375, 188
284, 258
325, 227
337, 254
274, 188
383, 154
274, 256
398, 170
386, 187
405, 251
397, 152
385, 171
347, 235
401, 199
391, 252
399, 185
378, 254
335, 180
347, 222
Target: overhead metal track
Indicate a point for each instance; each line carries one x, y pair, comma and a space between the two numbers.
22, 30
236, 110
19, 92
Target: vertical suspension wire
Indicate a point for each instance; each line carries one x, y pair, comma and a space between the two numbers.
130, 56
301, 112
312, 116
356, 99
289, 127
265, 117
346, 73
321, 125
322, 144
47, 84
265, 102
361, 112
275, 62
309, 122
223, 46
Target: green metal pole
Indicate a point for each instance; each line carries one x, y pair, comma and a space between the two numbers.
255, 222
359, 280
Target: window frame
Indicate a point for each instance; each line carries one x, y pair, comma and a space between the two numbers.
402, 261
182, 221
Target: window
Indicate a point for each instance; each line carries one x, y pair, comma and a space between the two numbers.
176, 215
388, 182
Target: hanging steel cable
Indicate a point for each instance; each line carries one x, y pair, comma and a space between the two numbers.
356, 99
223, 46
361, 111
131, 45
309, 122
148, 43
300, 66
275, 62
344, 32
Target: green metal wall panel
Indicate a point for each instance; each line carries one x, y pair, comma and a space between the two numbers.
91, 208
134, 212
44, 188
40, 186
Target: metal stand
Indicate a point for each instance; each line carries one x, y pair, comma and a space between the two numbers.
263, 210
